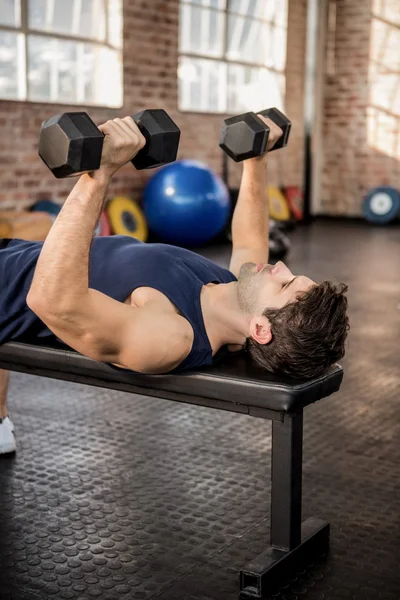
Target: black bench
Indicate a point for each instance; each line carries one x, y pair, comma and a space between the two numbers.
233, 384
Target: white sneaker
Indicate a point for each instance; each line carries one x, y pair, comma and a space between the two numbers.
7, 436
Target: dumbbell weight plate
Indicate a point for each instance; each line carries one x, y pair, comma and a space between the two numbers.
162, 139
244, 136
70, 144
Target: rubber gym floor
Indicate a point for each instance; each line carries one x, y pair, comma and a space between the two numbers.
116, 496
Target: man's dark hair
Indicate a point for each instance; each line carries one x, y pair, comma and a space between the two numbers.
307, 335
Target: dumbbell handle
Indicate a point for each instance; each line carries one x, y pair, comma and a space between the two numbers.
71, 143
282, 121
246, 136
137, 119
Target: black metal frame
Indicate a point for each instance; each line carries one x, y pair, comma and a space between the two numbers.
291, 542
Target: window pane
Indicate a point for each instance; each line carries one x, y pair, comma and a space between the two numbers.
83, 18
247, 39
115, 23
385, 45
101, 76
383, 132
12, 71
256, 42
276, 49
10, 13
201, 30
384, 89
73, 72
255, 8
209, 3
202, 85
388, 10
51, 71
89, 19
251, 88
274, 11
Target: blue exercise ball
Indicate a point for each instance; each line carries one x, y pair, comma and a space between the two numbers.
186, 203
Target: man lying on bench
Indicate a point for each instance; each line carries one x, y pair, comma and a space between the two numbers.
155, 308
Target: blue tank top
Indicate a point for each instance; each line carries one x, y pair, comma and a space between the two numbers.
118, 265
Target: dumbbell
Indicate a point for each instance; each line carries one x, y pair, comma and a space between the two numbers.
246, 136
71, 144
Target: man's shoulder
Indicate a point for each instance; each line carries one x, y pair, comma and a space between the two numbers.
171, 336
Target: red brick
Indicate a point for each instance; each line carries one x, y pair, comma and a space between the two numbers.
350, 165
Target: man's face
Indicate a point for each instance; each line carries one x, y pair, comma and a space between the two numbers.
268, 286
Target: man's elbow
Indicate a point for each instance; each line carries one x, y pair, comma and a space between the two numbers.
68, 327
37, 303
62, 318
42, 306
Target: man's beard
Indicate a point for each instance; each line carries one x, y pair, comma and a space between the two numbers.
247, 288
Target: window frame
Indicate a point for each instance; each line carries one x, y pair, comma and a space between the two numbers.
223, 59
24, 30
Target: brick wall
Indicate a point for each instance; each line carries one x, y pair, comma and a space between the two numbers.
359, 141
361, 124
150, 80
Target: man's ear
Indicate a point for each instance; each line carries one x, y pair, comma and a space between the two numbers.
260, 330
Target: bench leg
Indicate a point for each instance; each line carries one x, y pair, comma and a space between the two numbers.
291, 543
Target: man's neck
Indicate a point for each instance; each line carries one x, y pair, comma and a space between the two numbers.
225, 323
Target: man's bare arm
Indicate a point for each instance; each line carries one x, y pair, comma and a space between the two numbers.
83, 318
250, 223
60, 282
141, 339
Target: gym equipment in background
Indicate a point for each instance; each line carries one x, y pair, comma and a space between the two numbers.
278, 207
278, 241
5, 228
47, 206
186, 204
246, 136
103, 226
294, 197
25, 225
52, 209
126, 218
71, 144
381, 205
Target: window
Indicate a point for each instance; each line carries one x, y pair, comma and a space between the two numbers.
67, 51
383, 111
232, 55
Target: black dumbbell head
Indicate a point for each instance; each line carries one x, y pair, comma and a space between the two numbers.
162, 139
282, 121
244, 136
70, 144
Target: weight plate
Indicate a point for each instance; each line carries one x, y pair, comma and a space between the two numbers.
381, 205
48, 206
126, 218
294, 198
278, 206
5, 229
103, 226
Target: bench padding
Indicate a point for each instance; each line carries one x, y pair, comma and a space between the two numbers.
233, 383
